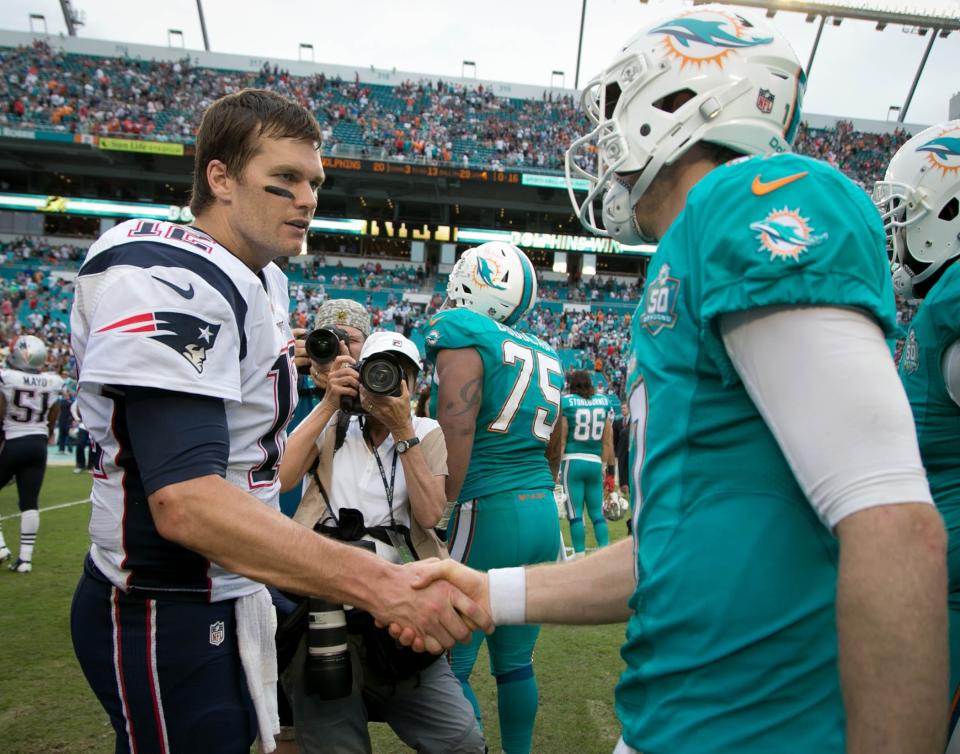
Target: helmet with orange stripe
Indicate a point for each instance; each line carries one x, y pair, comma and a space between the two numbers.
703, 75
495, 279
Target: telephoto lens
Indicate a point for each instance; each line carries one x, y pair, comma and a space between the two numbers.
323, 344
381, 374
328, 672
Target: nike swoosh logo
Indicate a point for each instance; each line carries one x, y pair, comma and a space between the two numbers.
185, 292
760, 188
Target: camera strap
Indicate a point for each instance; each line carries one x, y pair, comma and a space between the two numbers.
397, 540
388, 487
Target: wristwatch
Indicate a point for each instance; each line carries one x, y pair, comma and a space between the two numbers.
404, 445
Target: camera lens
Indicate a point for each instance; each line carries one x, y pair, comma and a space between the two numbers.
328, 672
381, 374
322, 345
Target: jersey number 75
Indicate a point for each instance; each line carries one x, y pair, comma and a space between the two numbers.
545, 365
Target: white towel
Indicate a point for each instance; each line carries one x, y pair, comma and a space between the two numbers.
256, 629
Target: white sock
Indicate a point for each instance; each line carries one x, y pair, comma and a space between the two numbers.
29, 523
2, 541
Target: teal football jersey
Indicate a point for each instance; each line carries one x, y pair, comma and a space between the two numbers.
586, 418
520, 403
934, 328
732, 646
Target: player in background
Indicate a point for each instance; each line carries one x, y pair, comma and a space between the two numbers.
785, 586
29, 407
586, 446
919, 199
497, 398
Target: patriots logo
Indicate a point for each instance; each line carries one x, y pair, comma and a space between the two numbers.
189, 336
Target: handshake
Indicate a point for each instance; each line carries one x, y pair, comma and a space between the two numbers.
442, 602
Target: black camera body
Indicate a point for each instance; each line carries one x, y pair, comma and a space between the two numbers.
381, 374
323, 344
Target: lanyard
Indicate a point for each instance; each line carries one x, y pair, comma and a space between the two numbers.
388, 488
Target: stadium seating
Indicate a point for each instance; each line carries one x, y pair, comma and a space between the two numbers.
426, 120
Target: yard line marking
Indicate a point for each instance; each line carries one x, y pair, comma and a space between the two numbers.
50, 508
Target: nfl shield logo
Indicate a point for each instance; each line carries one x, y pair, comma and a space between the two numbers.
765, 101
217, 633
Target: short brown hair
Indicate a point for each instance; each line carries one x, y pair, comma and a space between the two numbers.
581, 384
230, 128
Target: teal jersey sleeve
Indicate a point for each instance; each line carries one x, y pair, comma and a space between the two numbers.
780, 231
935, 327
520, 401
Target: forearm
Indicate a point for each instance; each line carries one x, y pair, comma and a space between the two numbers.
301, 449
892, 629
590, 591
238, 532
426, 491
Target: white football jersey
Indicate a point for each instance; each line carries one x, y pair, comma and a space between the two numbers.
165, 306
30, 396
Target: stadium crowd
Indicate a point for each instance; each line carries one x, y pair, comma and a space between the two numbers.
425, 120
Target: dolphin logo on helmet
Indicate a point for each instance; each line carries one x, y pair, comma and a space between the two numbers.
687, 30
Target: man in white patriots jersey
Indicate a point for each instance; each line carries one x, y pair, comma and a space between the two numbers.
28, 407
186, 368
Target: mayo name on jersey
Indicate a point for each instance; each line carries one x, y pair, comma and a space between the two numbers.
586, 418
29, 398
722, 516
165, 306
520, 401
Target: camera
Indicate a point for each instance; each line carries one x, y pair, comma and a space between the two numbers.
328, 672
323, 344
382, 374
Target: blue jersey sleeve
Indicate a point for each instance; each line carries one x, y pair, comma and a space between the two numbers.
782, 231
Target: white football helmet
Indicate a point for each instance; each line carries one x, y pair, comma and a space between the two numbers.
745, 85
919, 199
615, 506
27, 353
495, 279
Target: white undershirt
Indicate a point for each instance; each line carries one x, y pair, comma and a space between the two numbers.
824, 382
950, 364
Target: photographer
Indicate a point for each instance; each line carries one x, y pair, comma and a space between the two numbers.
376, 480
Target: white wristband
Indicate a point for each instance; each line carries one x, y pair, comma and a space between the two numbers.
508, 596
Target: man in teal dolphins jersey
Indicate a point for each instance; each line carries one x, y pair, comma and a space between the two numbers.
586, 444
785, 587
920, 201
497, 399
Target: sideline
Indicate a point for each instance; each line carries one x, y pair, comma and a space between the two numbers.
49, 508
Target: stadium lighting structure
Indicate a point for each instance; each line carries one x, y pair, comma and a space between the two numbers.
583, 18
306, 46
554, 75
203, 26
941, 18
174, 34
39, 18
465, 65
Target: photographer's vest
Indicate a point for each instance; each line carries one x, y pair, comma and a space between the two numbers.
314, 506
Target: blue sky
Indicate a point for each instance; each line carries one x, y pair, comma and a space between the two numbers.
858, 72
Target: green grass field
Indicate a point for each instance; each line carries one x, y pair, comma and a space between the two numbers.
46, 706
